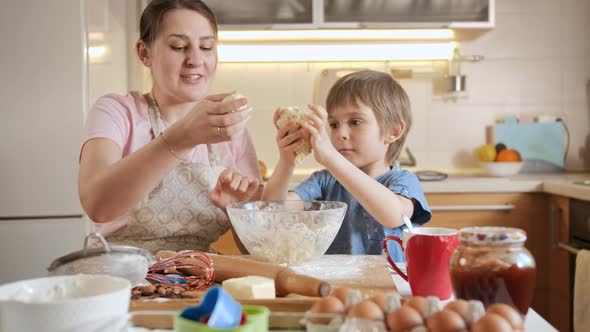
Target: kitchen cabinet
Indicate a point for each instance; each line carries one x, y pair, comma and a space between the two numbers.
28, 246
353, 14
262, 13
226, 244
559, 261
528, 211
380, 13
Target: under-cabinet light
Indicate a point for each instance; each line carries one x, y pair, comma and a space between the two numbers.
336, 35
96, 51
334, 52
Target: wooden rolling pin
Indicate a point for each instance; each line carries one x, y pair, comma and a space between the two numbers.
286, 280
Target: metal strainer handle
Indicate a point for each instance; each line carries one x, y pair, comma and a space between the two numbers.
100, 238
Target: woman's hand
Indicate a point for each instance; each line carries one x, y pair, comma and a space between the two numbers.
233, 187
289, 138
317, 126
212, 120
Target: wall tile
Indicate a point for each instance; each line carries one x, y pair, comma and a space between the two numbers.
576, 80
519, 81
518, 35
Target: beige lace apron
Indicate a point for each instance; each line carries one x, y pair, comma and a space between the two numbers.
178, 214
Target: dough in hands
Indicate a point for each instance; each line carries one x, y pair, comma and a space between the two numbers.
235, 95
297, 114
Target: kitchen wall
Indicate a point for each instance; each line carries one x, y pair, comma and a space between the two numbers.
537, 61
108, 73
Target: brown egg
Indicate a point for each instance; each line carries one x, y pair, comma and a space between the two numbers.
492, 323
341, 293
446, 321
509, 314
418, 303
325, 305
366, 309
459, 306
404, 319
389, 302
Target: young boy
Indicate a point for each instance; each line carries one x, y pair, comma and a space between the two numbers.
368, 119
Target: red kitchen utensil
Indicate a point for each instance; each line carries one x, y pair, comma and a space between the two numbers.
195, 263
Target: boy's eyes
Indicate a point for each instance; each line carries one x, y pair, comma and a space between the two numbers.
354, 122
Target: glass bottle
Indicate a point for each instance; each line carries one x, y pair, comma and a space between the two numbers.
492, 265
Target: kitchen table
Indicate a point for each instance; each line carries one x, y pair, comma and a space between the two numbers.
533, 322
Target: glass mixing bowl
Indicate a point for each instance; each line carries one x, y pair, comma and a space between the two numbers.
287, 232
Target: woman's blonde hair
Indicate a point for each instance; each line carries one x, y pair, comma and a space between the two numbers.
380, 92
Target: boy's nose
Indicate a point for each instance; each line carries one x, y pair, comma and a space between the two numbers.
342, 133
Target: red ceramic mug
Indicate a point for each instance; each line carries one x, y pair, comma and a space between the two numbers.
428, 252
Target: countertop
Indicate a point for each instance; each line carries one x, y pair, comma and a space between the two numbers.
475, 181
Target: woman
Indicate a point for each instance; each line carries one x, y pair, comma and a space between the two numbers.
156, 169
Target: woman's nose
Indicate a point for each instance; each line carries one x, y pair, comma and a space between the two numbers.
194, 58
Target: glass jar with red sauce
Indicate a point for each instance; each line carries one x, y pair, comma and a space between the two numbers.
492, 265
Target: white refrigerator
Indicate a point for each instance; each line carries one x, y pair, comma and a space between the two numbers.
43, 88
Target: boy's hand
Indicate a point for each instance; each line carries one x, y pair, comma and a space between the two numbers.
317, 126
289, 138
233, 187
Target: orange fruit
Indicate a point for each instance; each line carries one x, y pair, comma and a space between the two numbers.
508, 155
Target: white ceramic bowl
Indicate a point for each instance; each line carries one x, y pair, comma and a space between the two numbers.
502, 168
65, 303
290, 232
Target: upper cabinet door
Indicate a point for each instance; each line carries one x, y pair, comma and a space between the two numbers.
377, 13
262, 13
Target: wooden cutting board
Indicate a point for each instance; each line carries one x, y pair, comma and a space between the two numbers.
367, 273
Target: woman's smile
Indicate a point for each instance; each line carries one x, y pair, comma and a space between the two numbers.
192, 78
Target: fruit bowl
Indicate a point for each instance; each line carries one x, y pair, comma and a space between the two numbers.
287, 232
501, 168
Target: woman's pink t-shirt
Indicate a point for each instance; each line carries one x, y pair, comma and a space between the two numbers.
124, 120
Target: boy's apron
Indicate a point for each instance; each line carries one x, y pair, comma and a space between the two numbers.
179, 213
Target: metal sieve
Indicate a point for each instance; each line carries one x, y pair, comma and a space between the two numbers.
126, 262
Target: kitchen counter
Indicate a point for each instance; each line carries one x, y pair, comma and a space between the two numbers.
474, 180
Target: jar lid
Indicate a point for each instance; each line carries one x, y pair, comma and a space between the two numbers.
492, 235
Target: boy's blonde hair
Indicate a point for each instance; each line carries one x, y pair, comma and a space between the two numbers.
380, 92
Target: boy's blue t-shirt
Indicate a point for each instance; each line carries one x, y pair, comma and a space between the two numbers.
360, 233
